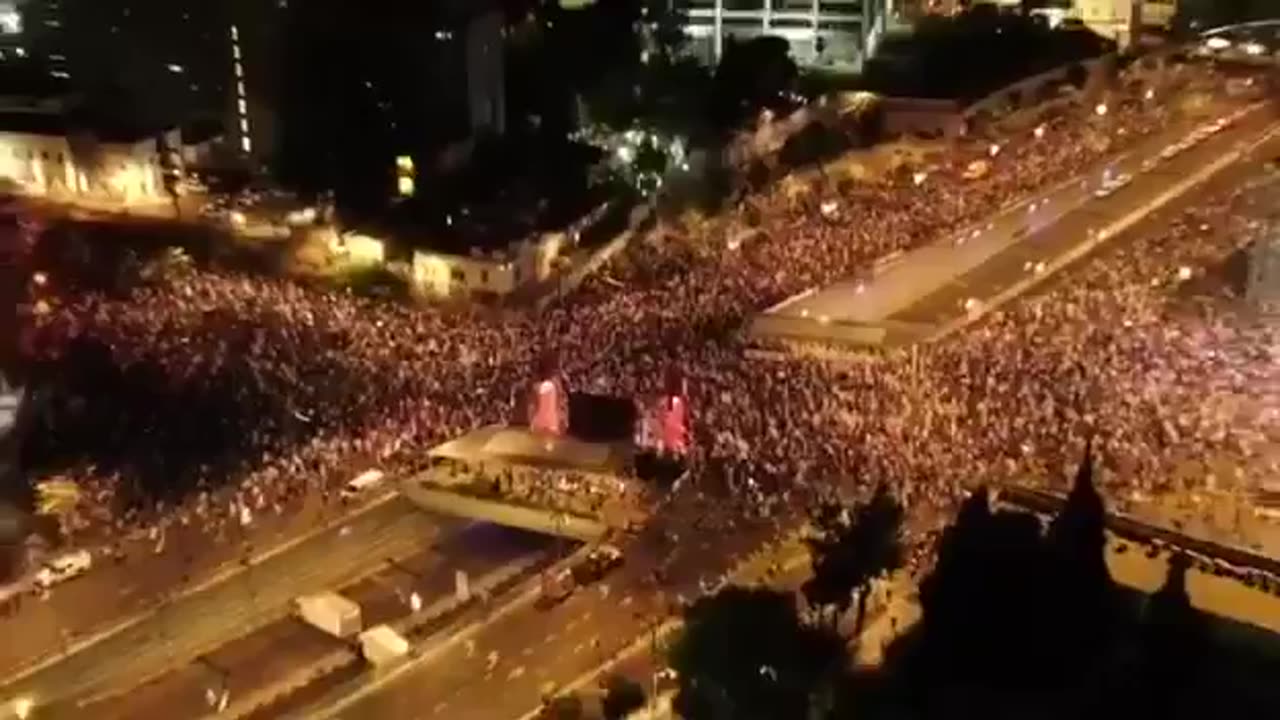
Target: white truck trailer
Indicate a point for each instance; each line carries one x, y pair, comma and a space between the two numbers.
330, 612
381, 645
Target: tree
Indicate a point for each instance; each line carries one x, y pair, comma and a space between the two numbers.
852, 547
985, 591
755, 74
622, 696
744, 652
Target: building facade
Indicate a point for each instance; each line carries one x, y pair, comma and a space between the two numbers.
44, 155
836, 34
162, 63
497, 274
1124, 21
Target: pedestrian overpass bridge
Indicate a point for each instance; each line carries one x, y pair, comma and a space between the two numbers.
441, 501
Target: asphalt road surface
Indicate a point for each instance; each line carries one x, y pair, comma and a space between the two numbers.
890, 294
201, 622
272, 654
536, 645
111, 591
1014, 264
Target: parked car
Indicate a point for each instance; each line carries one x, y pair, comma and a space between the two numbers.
361, 483
63, 568
597, 564
559, 586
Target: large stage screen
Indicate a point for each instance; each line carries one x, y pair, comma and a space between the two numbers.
601, 418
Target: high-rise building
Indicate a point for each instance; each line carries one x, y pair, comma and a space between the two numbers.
149, 62
254, 37
839, 34
159, 63
364, 87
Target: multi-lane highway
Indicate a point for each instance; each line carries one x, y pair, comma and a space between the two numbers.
501, 668
189, 558
904, 298
265, 661
203, 621
1038, 254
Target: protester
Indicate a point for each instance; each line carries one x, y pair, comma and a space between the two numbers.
301, 388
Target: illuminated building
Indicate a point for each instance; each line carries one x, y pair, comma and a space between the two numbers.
1124, 20
253, 33
48, 154
34, 29
839, 34
161, 63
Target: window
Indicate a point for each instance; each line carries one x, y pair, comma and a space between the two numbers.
44, 154
484, 276
457, 275
60, 158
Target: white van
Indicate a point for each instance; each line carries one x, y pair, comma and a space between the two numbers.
63, 568
361, 483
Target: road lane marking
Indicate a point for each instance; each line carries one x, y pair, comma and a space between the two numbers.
446, 640
392, 539
1077, 252
226, 573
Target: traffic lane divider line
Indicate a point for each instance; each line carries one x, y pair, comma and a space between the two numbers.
226, 572
333, 661
259, 618
1091, 243
443, 641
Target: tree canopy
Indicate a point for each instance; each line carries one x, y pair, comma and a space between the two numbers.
851, 547
745, 653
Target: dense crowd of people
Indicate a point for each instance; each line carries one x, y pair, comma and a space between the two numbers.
203, 396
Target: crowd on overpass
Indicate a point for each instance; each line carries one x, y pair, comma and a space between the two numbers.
287, 390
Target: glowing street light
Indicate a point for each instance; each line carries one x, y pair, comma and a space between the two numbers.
994, 150
23, 706
1039, 131
1100, 110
